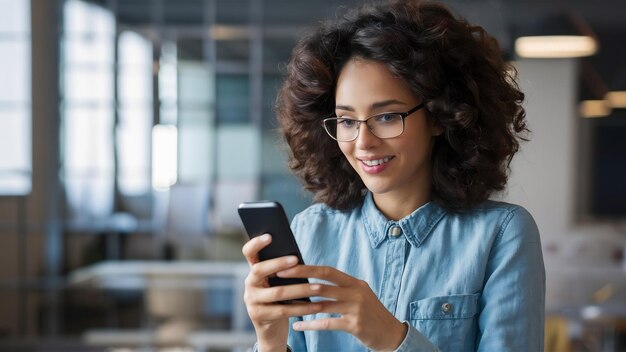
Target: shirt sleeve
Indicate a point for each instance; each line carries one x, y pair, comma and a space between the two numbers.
512, 304
256, 348
414, 341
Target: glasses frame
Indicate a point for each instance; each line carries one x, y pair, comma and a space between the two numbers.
403, 115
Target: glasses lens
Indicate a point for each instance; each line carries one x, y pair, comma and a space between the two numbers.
331, 127
347, 129
382, 126
341, 129
386, 125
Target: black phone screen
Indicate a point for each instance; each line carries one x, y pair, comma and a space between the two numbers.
269, 217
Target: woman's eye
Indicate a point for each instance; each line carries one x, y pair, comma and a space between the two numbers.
386, 118
346, 123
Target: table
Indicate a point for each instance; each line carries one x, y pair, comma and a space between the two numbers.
177, 275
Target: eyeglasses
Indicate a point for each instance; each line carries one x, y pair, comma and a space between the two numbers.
387, 125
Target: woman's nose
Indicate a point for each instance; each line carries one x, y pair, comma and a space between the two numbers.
366, 139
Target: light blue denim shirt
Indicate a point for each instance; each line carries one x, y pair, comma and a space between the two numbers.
471, 281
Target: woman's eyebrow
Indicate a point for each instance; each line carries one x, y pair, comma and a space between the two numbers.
344, 107
385, 103
376, 105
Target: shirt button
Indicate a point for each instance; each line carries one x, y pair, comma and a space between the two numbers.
396, 231
446, 308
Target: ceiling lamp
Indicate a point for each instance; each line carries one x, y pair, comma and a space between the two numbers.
594, 108
616, 96
560, 36
593, 93
617, 99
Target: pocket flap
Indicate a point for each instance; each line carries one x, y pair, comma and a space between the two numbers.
445, 307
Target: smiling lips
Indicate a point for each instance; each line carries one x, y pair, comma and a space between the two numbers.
375, 166
376, 162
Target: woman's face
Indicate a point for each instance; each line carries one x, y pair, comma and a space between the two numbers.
399, 166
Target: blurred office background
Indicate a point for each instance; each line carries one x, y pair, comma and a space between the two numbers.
131, 129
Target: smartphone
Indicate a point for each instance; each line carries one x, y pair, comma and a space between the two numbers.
269, 217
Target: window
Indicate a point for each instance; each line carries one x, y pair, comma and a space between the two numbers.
15, 98
135, 113
87, 80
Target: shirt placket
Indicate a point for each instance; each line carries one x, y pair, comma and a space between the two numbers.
394, 266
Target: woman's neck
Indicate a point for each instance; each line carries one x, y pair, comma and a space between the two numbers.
397, 206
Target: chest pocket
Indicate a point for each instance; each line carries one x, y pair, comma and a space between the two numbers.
449, 322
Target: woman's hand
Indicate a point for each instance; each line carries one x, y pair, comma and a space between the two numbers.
271, 319
362, 314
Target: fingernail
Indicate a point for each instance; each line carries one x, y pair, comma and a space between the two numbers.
265, 238
292, 260
316, 287
297, 326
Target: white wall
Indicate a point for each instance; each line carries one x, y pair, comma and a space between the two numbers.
544, 180
542, 173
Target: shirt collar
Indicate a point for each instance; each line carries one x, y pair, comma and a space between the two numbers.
416, 226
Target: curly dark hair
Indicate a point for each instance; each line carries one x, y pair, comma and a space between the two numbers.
455, 67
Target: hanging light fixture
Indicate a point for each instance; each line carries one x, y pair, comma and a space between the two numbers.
617, 95
565, 35
593, 92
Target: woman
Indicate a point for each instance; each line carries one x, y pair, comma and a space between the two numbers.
402, 120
